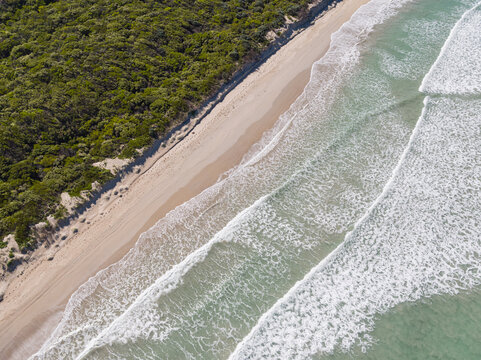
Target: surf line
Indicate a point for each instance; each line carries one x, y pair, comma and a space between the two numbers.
173, 277
276, 307
422, 87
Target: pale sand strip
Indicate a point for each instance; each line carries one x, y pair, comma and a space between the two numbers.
34, 300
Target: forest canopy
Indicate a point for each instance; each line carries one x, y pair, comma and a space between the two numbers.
83, 80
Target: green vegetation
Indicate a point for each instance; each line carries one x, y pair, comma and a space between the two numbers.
82, 80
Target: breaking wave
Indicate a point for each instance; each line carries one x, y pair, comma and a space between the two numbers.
420, 238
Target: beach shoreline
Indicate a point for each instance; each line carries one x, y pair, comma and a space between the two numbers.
34, 300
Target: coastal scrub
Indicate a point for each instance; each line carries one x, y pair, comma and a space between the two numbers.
85, 80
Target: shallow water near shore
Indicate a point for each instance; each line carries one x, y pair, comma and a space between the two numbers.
351, 230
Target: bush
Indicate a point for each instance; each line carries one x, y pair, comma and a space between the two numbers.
22, 233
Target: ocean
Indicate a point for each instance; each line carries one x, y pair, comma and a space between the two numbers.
351, 230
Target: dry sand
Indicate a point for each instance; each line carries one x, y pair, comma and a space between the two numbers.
34, 300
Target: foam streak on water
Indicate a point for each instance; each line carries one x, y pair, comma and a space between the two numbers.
422, 237
458, 70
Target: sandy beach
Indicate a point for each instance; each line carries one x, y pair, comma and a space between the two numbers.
35, 299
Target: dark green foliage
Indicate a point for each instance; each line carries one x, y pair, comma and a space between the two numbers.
81, 80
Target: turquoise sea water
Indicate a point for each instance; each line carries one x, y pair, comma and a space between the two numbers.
352, 230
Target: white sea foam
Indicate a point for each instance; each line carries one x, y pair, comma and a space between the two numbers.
420, 238
412, 47
140, 317
458, 69
341, 58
